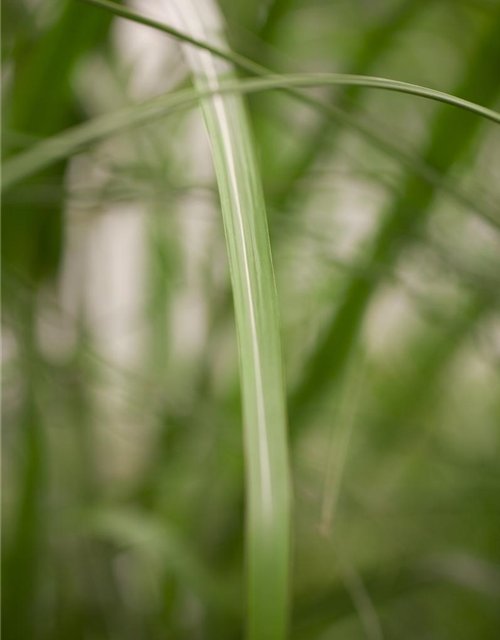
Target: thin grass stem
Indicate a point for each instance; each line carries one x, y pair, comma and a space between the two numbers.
49, 151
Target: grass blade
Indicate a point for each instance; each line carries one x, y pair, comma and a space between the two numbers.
67, 143
38, 101
263, 391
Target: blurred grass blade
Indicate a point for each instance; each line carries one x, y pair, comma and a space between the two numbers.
67, 143
276, 10
414, 396
22, 551
183, 36
39, 101
377, 41
256, 310
450, 136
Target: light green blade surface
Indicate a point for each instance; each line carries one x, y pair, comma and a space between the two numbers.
256, 310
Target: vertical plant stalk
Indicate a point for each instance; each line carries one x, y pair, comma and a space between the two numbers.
256, 311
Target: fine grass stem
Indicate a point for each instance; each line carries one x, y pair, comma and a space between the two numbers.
49, 151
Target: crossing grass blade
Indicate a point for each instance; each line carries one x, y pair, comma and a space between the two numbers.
49, 151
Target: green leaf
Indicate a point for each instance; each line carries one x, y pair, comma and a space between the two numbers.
268, 490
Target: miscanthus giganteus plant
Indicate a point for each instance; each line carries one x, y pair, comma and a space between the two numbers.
221, 96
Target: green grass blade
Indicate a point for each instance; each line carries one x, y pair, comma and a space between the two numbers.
256, 310
128, 14
276, 11
39, 101
67, 143
21, 558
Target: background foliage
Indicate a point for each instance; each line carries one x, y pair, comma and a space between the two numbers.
123, 458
